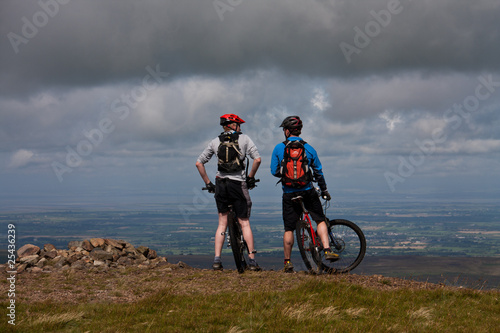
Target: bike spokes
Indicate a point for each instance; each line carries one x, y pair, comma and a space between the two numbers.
348, 241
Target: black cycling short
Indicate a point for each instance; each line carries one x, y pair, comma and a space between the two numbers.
235, 193
292, 210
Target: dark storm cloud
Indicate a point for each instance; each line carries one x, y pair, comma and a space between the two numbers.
376, 78
87, 43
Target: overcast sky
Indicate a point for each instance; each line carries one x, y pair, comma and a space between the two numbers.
102, 99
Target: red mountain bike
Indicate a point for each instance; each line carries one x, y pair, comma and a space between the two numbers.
346, 239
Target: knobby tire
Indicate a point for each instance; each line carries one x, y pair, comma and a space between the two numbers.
238, 245
306, 247
348, 241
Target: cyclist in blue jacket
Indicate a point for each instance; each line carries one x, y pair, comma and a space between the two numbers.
292, 127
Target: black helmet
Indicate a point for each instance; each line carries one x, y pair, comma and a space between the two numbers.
292, 123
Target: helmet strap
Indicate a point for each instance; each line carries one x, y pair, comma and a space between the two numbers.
229, 126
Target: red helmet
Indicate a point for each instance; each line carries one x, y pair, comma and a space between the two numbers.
230, 118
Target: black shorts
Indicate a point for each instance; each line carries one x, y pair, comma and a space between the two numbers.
292, 211
235, 193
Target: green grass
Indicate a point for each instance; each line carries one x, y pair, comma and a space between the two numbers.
315, 306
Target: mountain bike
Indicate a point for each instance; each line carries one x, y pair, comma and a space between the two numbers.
235, 240
346, 239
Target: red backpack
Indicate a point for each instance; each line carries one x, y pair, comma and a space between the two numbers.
294, 168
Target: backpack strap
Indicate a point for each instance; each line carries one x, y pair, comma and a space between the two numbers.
286, 142
225, 136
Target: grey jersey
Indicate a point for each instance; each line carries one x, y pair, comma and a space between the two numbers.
247, 147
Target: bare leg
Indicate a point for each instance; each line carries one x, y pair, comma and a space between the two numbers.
288, 244
323, 234
219, 234
247, 235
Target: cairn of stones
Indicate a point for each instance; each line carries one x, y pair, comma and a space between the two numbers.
100, 254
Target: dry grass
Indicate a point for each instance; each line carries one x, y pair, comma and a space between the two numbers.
57, 319
176, 299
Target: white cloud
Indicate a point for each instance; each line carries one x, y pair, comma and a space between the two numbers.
391, 119
320, 100
472, 146
20, 158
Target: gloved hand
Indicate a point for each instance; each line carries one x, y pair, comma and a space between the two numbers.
325, 195
251, 182
210, 187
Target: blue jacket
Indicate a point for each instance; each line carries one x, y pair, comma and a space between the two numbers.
314, 164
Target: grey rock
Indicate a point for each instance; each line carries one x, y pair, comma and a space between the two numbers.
29, 260
114, 243
87, 246
99, 254
143, 250
50, 255
152, 254
28, 250
97, 242
49, 247
74, 244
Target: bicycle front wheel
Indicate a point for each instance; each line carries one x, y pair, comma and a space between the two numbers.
238, 244
348, 241
308, 251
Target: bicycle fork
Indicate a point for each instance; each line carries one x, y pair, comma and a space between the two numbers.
228, 239
228, 242
336, 242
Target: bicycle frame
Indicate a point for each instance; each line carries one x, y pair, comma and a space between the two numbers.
307, 240
236, 242
345, 238
305, 217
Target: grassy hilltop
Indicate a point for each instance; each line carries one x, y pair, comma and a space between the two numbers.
176, 298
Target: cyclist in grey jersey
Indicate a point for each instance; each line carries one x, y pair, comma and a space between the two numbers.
231, 188
247, 147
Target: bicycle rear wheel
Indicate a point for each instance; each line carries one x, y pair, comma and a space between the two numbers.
238, 244
305, 242
348, 241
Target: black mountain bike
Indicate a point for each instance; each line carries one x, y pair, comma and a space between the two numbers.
235, 240
346, 239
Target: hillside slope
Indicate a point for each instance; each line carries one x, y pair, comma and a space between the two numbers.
135, 283
178, 298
